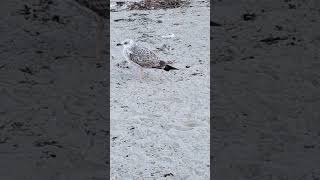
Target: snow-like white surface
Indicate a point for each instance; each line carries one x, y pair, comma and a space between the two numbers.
161, 125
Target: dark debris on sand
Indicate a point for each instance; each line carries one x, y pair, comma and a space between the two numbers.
157, 4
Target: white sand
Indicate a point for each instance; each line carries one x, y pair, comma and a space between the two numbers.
161, 125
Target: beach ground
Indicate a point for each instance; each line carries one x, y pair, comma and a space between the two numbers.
160, 126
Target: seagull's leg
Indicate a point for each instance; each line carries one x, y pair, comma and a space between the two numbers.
99, 37
161, 75
141, 74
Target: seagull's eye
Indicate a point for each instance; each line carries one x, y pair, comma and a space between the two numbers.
125, 43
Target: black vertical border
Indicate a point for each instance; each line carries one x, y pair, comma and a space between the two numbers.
211, 91
265, 90
32, 146
108, 90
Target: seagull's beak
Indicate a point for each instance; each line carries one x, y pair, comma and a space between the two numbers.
119, 44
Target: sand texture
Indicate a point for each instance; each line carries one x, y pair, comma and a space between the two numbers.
160, 126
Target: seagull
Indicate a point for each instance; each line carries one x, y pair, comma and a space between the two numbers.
143, 56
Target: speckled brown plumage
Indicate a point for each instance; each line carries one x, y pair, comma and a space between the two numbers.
143, 56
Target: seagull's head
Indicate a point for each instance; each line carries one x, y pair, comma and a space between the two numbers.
126, 43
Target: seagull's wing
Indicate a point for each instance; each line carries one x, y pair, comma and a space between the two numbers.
143, 56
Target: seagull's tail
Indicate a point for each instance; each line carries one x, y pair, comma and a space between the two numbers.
168, 68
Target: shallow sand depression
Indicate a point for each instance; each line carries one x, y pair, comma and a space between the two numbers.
160, 126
